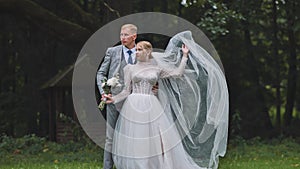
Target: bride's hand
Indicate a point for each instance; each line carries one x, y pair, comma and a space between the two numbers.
185, 50
108, 99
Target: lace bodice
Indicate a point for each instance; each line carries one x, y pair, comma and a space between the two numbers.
140, 78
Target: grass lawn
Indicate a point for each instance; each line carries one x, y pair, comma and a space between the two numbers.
78, 160
262, 155
240, 155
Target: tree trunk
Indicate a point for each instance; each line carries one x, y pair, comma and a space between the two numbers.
292, 71
262, 120
164, 6
277, 66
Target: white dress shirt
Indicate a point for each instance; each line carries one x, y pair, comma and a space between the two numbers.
126, 55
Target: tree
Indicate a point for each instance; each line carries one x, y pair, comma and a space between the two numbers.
292, 62
37, 41
258, 43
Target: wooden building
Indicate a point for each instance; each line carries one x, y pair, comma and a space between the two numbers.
61, 114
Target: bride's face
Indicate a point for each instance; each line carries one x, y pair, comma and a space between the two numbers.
142, 54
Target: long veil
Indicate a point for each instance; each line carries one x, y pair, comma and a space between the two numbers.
197, 102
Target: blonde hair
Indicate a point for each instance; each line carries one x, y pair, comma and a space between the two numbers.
132, 28
146, 45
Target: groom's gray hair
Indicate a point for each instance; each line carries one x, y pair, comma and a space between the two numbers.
131, 27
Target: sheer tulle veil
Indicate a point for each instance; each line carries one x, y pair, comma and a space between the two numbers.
197, 102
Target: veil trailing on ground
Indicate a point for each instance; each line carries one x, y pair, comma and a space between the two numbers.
197, 102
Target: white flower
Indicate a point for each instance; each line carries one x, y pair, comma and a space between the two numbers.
103, 84
114, 81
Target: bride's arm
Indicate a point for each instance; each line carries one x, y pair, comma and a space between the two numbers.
126, 90
165, 73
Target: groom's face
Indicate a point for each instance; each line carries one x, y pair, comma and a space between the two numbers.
127, 38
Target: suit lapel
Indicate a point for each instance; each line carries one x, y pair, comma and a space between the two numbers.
123, 61
119, 57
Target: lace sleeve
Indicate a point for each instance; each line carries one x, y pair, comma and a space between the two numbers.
165, 73
127, 86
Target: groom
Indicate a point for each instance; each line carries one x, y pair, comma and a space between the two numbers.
116, 58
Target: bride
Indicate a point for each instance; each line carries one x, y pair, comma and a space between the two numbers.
186, 125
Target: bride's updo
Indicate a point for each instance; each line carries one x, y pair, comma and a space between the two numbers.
146, 45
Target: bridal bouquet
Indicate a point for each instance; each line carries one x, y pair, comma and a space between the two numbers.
106, 86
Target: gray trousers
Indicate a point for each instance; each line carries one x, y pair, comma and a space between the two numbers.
111, 119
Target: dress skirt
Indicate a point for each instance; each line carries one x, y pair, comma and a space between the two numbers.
146, 138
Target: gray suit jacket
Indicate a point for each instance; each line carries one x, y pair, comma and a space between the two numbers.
113, 63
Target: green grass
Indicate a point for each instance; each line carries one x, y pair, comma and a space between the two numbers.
47, 160
262, 155
241, 154
73, 165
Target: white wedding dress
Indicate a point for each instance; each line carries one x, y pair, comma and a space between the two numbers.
145, 137
186, 125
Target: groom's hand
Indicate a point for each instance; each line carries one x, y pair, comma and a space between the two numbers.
155, 89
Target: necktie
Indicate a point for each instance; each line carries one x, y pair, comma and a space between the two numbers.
129, 58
